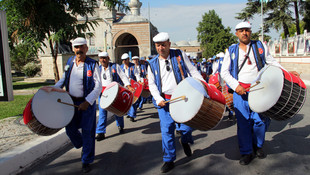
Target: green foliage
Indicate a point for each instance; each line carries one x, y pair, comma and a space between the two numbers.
15, 107
306, 14
292, 29
212, 35
31, 69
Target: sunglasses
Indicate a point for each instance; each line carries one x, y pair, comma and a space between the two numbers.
104, 76
167, 65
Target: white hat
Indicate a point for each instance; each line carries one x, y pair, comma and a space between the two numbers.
204, 60
221, 54
243, 25
161, 37
103, 54
125, 56
142, 58
79, 41
135, 57
187, 54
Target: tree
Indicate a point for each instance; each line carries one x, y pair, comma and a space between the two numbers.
306, 14
212, 35
51, 20
278, 12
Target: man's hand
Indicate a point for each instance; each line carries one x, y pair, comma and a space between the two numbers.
83, 106
131, 88
162, 104
295, 73
240, 90
141, 83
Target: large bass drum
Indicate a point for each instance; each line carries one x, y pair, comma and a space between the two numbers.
279, 95
203, 106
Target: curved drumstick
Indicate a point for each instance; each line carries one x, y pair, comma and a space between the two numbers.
182, 97
257, 82
59, 101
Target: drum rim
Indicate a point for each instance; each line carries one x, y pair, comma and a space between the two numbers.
102, 98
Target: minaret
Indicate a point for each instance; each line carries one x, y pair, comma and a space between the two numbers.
135, 6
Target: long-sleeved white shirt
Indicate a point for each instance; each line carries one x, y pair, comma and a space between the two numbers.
76, 88
249, 72
168, 79
108, 76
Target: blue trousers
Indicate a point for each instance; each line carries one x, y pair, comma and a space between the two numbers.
167, 127
142, 101
87, 121
251, 125
133, 109
102, 120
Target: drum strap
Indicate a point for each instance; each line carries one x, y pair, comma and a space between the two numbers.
246, 57
259, 59
180, 67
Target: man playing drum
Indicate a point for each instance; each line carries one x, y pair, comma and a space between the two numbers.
163, 76
141, 74
240, 68
109, 72
82, 80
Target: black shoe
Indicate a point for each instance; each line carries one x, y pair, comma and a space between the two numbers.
186, 148
100, 137
127, 116
167, 167
86, 167
178, 132
132, 119
260, 153
140, 108
245, 159
121, 130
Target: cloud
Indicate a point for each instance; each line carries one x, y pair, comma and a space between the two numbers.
181, 21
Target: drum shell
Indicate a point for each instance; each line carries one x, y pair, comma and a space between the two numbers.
228, 98
145, 92
35, 126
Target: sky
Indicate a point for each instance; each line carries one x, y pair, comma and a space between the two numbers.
180, 18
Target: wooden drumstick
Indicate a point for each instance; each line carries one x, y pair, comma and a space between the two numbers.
257, 82
59, 101
182, 97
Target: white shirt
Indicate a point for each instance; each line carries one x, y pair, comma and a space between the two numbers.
167, 78
215, 67
249, 72
76, 83
108, 75
137, 73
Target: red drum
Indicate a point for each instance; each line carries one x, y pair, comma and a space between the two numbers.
203, 106
279, 95
214, 79
44, 115
145, 92
204, 75
138, 90
116, 99
228, 98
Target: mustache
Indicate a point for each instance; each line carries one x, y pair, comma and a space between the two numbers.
79, 52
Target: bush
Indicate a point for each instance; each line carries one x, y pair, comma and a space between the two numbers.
31, 69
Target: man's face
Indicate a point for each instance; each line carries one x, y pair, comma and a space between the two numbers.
126, 61
80, 51
194, 60
104, 61
142, 61
244, 35
162, 48
136, 61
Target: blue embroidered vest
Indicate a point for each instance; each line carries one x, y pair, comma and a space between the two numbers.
131, 71
113, 72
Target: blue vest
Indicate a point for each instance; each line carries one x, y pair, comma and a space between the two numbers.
174, 54
197, 66
88, 75
131, 71
113, 72
234, 57
143, 70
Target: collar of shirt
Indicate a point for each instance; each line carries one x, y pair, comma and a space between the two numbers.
108, 76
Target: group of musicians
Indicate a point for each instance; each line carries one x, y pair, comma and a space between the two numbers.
85, 80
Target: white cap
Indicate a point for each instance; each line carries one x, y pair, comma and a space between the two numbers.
125, 56
135, 57
243, 25
103, 54
187, 54
142, 58
221, 54
204, 60
161, 37
79, 41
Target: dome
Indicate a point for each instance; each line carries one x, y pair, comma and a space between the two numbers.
182, 43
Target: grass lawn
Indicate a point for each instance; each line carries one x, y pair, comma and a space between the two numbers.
15, 107
29, 85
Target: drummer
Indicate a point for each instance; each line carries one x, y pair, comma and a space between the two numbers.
240, 68
109, 72
84, 88
196, 64
141, 76
128, 68
163, 77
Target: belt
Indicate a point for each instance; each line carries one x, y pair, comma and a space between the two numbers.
103, 88
245, 85
166, 96
77, 98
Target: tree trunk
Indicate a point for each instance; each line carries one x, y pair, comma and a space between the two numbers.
297, 17
286, 31
54, 55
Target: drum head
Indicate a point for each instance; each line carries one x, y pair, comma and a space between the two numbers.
109, 94
182, 111
266, 94
51, 113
